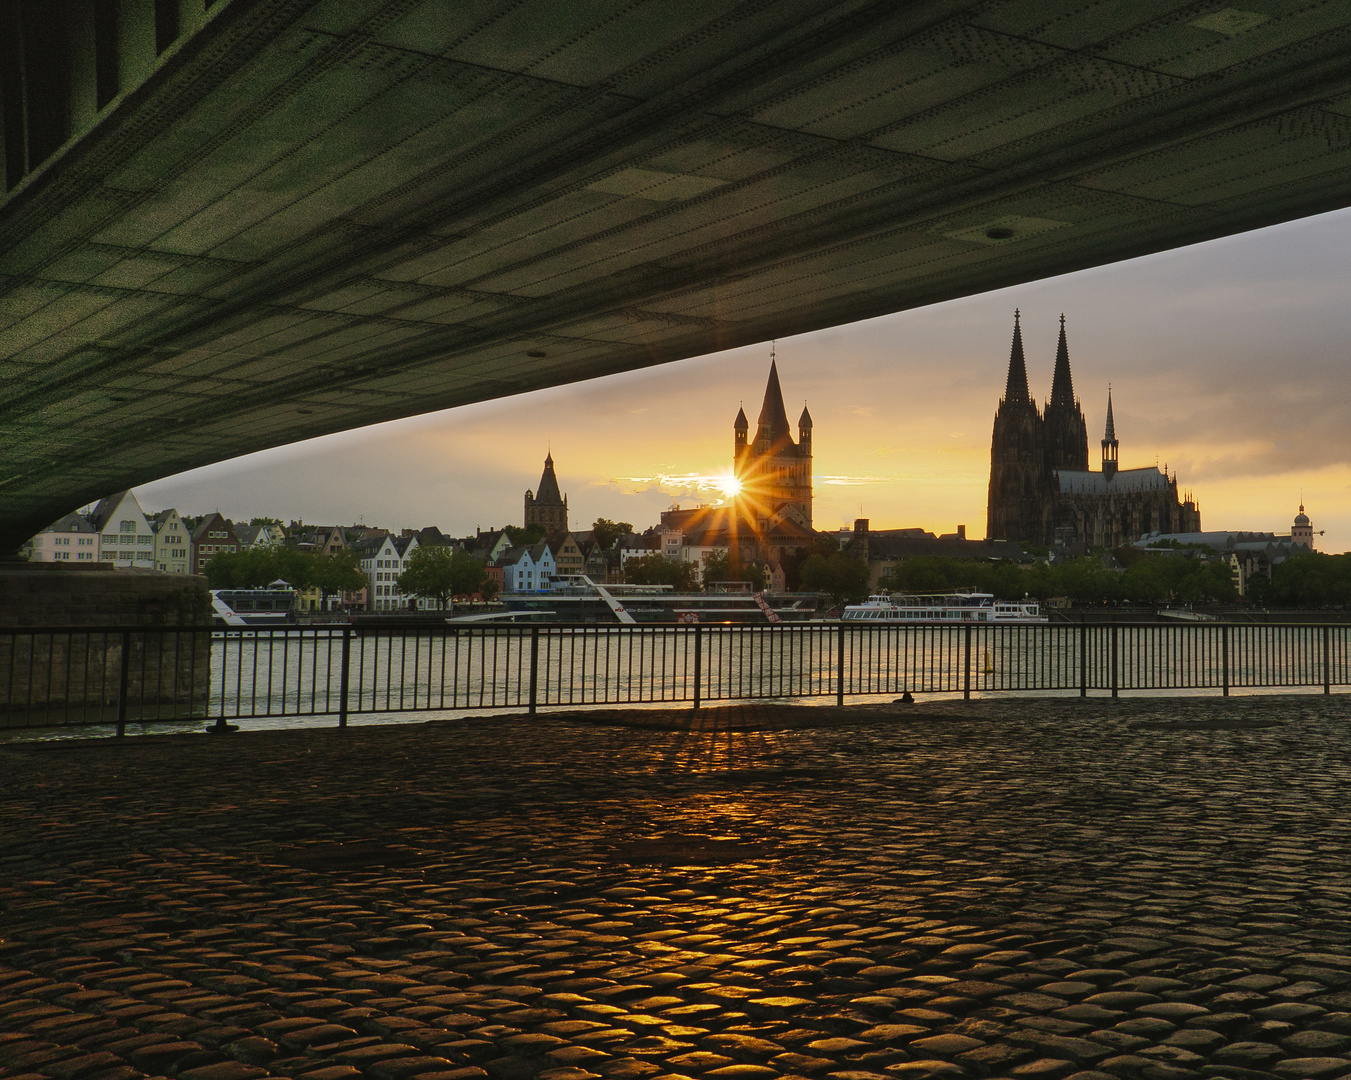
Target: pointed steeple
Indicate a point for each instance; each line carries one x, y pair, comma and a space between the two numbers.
1016, 388
804, 422
741, 423
547, 494
1062, 384
1109, 443
773, 422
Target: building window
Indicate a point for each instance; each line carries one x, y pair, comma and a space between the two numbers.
128, 526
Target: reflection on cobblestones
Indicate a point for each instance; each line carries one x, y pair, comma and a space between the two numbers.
1053, 889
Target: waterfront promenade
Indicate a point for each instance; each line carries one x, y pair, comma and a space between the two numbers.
1151, 888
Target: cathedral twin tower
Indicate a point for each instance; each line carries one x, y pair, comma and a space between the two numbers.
1041, 490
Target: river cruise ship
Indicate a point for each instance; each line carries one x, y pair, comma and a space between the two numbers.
579, 599
944, 609
273, 606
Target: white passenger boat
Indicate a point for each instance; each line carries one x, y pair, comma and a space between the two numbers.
273, 606
944, 609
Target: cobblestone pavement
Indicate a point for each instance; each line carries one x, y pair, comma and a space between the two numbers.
1033, 889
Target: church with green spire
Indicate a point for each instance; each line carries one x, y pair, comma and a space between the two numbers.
1042, 491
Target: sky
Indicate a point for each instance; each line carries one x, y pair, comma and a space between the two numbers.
1227, 363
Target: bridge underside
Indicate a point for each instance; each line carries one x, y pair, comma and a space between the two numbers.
303, 217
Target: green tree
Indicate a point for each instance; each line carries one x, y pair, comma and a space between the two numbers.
441, 573
248, 569
606, 532
722, 565
657, 569
336, 573
1310, 580
524, 536
265, 521
842, 576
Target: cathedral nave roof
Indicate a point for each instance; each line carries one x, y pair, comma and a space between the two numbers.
1123, 482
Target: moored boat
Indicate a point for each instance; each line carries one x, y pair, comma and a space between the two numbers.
273, 606
941, 609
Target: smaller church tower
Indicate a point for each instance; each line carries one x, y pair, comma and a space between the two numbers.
774, 471
547, 506
1301, 532
1109, 443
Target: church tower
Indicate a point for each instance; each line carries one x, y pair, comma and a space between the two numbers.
774, 471
547, 506
1017, 506
1301, 532
1066, 430
1109, 443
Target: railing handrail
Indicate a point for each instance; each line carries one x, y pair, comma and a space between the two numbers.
360, 628
174, 671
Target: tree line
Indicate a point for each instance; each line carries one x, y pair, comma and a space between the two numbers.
436, 573
1311, 580
1149, 579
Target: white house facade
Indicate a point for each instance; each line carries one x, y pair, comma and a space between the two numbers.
125, 537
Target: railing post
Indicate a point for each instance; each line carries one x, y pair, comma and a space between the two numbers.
534, 667
1083, 659
123, 679
1327, 660
1224, 651
698, 662
966, 662
1115, 636
839, 663
346, 675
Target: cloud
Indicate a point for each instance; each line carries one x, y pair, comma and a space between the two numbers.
1228, 361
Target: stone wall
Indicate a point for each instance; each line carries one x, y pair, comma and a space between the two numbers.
63, 633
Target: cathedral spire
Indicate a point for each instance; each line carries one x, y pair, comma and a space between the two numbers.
1015, 390
1062, 384
1109, 443
773, 422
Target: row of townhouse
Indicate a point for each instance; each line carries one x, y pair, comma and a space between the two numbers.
120, 532
534, 568
384, 558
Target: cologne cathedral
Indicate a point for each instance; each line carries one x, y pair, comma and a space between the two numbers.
1041, 489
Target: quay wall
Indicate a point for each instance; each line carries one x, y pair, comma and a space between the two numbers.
63, 632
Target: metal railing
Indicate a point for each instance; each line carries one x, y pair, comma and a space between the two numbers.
140, 675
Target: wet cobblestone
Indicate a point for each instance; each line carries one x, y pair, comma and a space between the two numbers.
1059, 889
